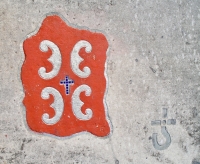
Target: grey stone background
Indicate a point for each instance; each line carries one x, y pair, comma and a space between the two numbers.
153, 62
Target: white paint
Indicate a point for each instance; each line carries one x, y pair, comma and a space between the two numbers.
55, 60
76, 59
58, 105
77, 103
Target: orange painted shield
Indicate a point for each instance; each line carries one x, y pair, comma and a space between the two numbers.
64, 80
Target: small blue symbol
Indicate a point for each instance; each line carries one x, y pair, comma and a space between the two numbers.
67, 82
164, 131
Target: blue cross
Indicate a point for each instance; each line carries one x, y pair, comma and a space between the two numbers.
67, 82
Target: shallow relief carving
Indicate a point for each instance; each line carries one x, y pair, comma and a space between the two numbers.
77, 103
163, 130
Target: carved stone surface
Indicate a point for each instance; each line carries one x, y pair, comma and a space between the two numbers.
152, 63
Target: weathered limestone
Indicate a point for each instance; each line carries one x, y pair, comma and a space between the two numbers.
153, 64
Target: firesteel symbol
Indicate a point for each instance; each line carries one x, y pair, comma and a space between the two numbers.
67, 82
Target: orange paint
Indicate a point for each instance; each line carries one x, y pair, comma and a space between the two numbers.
56, 30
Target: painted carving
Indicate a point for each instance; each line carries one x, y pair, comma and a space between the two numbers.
55, 59
63, 76
58, 105
77, 103
76, 59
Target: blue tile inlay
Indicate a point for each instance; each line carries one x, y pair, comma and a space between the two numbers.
67, 82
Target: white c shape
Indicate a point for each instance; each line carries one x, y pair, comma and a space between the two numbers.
77, 103
57, 105
55, 60
76, 59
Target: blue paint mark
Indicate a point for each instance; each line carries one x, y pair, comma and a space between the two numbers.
67, 82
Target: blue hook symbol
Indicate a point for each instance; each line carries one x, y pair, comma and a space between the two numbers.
167, 137
163, 131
